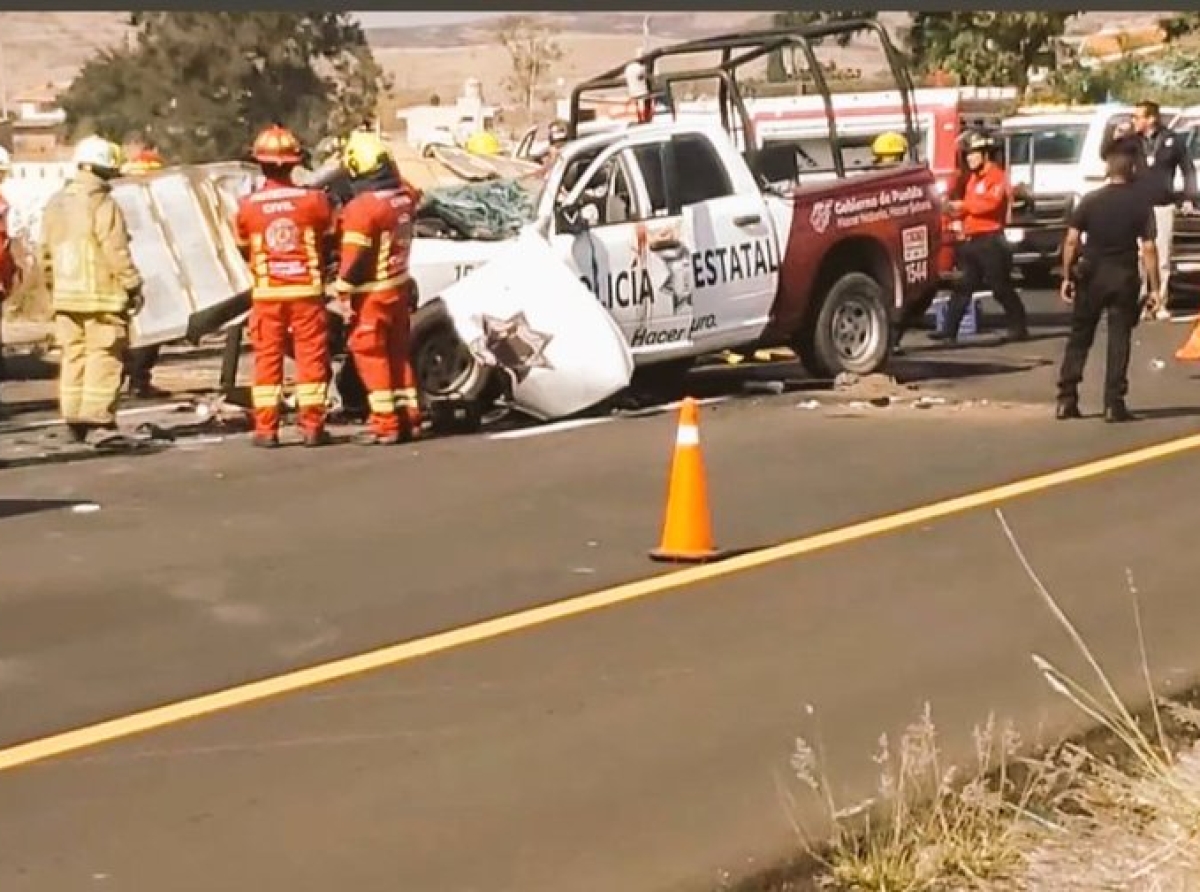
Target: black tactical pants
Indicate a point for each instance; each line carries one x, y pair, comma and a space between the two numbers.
986, 263
139, 364
1111, 287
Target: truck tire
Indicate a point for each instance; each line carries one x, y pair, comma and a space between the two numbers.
454, 386
851, 330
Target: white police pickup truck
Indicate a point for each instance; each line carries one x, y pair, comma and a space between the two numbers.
665, 228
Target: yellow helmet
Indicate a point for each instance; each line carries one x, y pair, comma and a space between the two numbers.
483, 142
890, 145
363, 153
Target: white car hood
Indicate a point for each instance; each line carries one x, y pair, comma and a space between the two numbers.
527, 313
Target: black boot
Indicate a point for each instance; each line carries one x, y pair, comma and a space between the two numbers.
1117, 412
79, 431
1067, 409
317, 438
145, 390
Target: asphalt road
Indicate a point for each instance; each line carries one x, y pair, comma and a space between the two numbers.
644, 746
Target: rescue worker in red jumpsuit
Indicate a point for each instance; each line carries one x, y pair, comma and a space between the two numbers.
373, 278
283, 231
984, 255
9, 272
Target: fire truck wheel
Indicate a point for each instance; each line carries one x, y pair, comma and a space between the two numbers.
851, 331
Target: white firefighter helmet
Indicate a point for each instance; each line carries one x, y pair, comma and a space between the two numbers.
96, 151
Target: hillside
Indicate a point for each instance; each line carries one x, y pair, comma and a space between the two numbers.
38, 49
43, 48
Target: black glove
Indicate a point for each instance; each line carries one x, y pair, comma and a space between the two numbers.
137, 300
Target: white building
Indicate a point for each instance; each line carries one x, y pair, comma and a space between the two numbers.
449, 124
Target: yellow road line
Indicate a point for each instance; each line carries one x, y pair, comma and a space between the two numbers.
290, 682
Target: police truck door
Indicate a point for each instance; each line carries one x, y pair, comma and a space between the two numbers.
734, 262
634, 264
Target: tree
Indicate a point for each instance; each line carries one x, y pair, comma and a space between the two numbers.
199, 85
110, 95
780, 70
1073, 82
531, 49
1180, 24
984, 48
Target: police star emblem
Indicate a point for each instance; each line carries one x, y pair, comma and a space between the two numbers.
512, 345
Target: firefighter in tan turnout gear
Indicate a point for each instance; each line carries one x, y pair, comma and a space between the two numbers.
94, 289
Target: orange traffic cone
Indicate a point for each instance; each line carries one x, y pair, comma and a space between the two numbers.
687, 527
1190, 351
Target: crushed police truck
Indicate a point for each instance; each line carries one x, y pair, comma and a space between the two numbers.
683, 236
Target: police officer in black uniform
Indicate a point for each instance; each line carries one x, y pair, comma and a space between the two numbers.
1104, 278
1159, 154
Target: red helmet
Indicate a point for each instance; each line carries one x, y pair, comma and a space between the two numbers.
277, 145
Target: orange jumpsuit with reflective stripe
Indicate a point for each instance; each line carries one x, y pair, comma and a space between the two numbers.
377, 231
283, 232
8, 265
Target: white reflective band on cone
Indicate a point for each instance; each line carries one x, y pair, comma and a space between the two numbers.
689, 435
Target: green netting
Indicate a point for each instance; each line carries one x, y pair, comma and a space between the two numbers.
489, 211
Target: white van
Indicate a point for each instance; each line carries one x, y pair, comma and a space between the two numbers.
1185, 246
1054, 156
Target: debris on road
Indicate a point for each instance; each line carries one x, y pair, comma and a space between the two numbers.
871, 387
220, 412
768, 388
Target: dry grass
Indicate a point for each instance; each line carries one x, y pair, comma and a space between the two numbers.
1075, 819
932, 826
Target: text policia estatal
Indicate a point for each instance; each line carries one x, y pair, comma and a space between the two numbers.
711, 267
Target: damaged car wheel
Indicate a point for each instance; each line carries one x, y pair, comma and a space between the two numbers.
455, 387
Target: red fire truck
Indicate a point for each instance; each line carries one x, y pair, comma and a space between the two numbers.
943, 115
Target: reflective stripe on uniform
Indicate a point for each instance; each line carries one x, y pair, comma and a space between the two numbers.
373, 287
313, 254
285, 292
89, 303
266, 396
311, 394
356, 238
385, 254
382, 402
261, 273
407, 397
